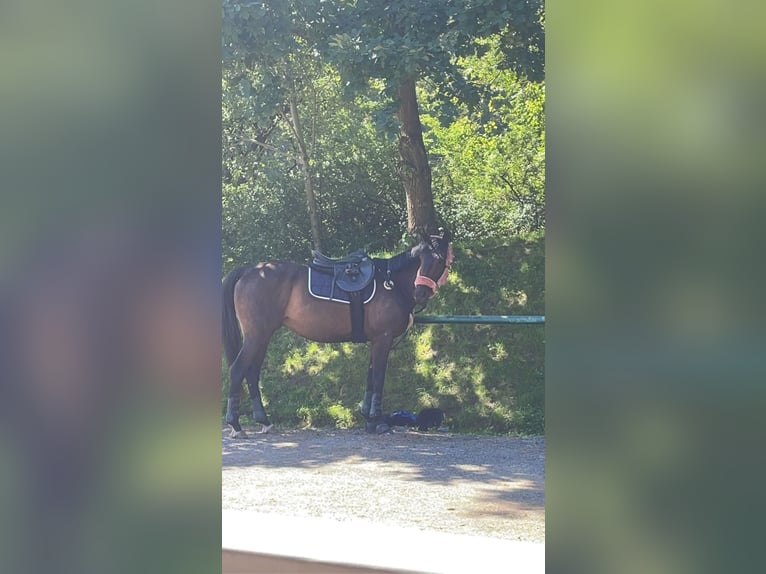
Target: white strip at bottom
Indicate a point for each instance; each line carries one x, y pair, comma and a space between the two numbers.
376, 546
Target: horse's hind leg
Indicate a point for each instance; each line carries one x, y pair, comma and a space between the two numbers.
253, 377
247, 366
236, 377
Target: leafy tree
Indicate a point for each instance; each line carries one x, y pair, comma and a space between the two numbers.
358, 196
490, 158
271, 55
398, 42
352, 170
402, 42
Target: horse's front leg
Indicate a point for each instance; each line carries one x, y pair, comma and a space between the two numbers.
367, 401
379, 349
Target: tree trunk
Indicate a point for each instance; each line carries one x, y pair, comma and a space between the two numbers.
414, 171
304, 161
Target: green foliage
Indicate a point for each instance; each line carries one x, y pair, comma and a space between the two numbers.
490, 158
400, 39
357, 189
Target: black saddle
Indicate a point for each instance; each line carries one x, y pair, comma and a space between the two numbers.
351, 273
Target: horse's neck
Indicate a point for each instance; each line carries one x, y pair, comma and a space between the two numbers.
405, 280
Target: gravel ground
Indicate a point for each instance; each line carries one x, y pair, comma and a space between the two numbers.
476, 485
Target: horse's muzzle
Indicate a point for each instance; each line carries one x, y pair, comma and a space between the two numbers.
422, 294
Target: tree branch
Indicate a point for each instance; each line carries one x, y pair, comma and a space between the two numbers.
264, 145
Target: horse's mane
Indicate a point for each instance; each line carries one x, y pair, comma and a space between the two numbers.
395, 263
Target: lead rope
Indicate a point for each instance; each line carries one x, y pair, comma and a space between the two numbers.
403, 336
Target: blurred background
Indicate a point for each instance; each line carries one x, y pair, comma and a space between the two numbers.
110, 257
654, 339
109, 270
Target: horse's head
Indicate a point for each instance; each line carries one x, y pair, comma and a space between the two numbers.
435, 254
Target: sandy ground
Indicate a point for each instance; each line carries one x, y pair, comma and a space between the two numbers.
475, 485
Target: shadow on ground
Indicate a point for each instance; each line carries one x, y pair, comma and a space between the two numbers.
515, 464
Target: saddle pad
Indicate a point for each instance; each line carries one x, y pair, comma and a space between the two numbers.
321, 286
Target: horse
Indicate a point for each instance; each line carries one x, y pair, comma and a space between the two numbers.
260, 299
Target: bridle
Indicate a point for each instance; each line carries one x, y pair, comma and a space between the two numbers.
431, 243
427, 281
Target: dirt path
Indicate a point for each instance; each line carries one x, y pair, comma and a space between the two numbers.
488, 486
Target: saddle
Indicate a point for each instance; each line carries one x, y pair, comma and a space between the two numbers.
350, 273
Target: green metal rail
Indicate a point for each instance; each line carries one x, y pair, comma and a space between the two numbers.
481, 319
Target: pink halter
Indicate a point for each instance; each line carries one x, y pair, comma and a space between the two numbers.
430, 283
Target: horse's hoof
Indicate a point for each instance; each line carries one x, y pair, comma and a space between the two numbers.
237, 434
382, 428
265, 428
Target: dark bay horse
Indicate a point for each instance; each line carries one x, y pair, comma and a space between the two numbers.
259, 299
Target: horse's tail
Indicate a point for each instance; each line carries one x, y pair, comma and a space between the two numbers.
232, 336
